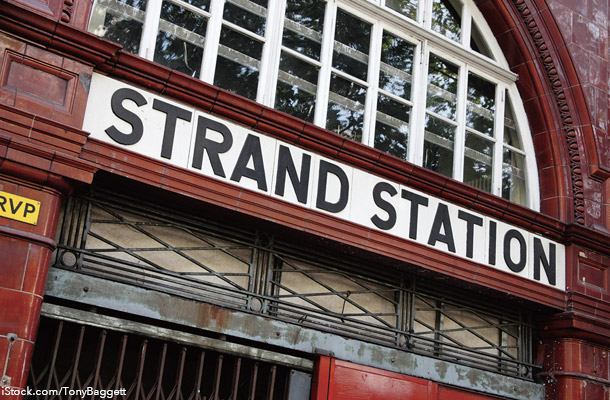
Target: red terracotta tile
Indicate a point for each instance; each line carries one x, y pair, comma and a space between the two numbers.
44, 56
320, 140
19, 313
80, 14
601, 363
34, 160
12, 273
9, 42
34, 106
36, 273
18, 363
282, 120
493, 13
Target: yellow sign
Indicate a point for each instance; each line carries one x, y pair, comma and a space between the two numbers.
19, 208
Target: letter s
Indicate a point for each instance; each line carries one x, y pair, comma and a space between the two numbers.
132, 119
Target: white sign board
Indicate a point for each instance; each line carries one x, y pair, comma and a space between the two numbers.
171, 132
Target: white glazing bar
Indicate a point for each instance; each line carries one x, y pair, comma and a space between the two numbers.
150, 29
418, 120
326, 58
212, 38
270, 61
460, 133
496, 182
370, 107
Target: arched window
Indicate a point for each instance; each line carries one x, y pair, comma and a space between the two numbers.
423, 80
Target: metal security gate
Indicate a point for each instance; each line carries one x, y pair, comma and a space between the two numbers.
81, 354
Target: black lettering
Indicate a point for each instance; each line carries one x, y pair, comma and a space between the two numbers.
548, 263
29, 208
441, 219
13, 208
285, 164
203, 144
321, 202
251, 150
492, 242
137, 129
2, 203
172, 114
508, 237
416, 201
471, 221
384, 205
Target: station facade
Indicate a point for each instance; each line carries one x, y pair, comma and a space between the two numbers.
275, 199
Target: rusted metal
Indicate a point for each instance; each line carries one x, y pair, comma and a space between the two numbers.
260, 280
81, 355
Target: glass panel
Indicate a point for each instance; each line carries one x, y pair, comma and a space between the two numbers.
180, 40
438, 146
247, 15
237, 67
392, 127
351, 48
481, 105
303, 27
513, 177
478, 161
396, 66
442, 87
296, 87
478, 43
119, 21
511, 135
446, 18
346, 108
405, 7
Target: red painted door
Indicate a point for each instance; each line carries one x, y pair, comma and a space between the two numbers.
341, 380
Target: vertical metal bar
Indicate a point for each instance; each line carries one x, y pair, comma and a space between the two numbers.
160, 371
77, 358
272, 381
236, 379
254, 377
100, 354
60, 328
218, 375
180, 373
141, 367
119, 371
199, 375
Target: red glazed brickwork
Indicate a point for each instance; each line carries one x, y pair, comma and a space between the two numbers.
43, 83
576, 369
26, 251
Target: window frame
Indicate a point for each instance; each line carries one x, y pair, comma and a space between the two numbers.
382, 19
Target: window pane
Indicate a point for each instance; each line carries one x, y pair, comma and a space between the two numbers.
296, 87
511, 135
303, 24
392, 127
351, 48
438, 146
396, 66
446, 18
119, 21
442, 87
478, 161
180, 40
246, 14
405, 7
481, 105
238, 63
478, 43
513, 177
346, 108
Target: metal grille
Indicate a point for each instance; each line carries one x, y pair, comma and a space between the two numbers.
254, 272
162, 364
